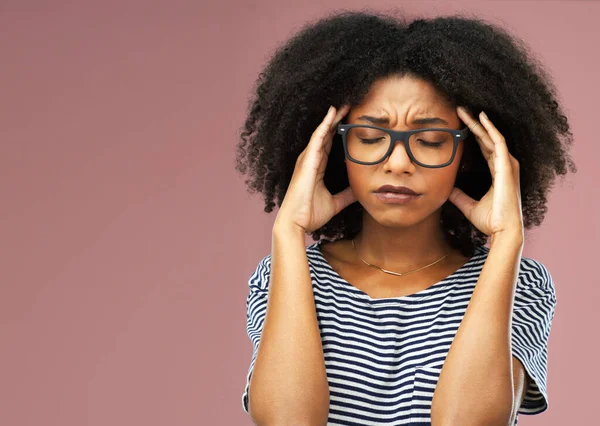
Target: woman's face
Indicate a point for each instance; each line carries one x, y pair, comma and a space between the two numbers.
401, 100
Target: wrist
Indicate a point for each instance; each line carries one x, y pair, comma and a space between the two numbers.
511, 239
281, 227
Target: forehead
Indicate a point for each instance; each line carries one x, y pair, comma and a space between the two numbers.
401, 95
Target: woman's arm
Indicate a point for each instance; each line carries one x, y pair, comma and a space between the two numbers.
289, 382
476, 384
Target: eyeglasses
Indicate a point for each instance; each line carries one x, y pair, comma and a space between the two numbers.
431, 147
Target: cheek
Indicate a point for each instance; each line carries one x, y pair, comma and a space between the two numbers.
440, 183
358, 177
446, 181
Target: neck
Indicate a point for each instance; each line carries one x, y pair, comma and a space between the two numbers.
402, 248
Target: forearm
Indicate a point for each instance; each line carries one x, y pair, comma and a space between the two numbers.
476, 384
289, 382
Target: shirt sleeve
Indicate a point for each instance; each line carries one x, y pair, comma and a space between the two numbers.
533, 311
256, 308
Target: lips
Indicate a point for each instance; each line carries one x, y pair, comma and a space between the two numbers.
396, 189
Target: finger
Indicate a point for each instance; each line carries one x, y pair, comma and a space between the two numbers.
505, 173
461, 200
479, 132
343, 199
318, 136
319, 145
338, 117
502, 159
320, 141
341, 112
497, 138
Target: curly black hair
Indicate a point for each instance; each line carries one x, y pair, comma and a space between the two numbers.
474, 63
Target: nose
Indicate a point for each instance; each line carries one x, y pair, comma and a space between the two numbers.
399, 161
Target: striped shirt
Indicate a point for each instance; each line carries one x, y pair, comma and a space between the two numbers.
383, 357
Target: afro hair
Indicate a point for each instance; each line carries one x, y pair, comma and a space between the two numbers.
474, 63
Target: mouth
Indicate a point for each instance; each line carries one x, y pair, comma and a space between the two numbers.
396, 198
397, 190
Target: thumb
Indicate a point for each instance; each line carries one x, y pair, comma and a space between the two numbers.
461, 200
343, 199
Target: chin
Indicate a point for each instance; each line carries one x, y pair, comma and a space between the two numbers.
395, 216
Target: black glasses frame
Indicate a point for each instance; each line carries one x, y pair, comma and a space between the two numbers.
396, 136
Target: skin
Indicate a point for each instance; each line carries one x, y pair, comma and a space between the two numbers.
400, 237
406, 237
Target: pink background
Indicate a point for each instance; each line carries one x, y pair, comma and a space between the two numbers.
127, 238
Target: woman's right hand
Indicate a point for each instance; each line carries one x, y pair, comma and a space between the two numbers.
308, 204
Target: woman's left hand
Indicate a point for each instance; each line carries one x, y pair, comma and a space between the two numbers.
499, 210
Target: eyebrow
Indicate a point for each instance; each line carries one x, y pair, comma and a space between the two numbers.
385, 120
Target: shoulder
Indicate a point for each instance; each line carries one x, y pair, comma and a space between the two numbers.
534, 282
534, 273
259, 278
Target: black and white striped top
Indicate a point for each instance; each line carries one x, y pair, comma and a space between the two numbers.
383, 356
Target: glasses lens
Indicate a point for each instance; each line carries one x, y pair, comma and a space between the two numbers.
368, 145
430, 147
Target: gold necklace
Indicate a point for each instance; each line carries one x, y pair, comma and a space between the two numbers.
396, 273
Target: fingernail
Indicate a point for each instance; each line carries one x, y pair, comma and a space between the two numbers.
484, 115
462, 109
330, 109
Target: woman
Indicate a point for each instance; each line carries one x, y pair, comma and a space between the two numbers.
402, 316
